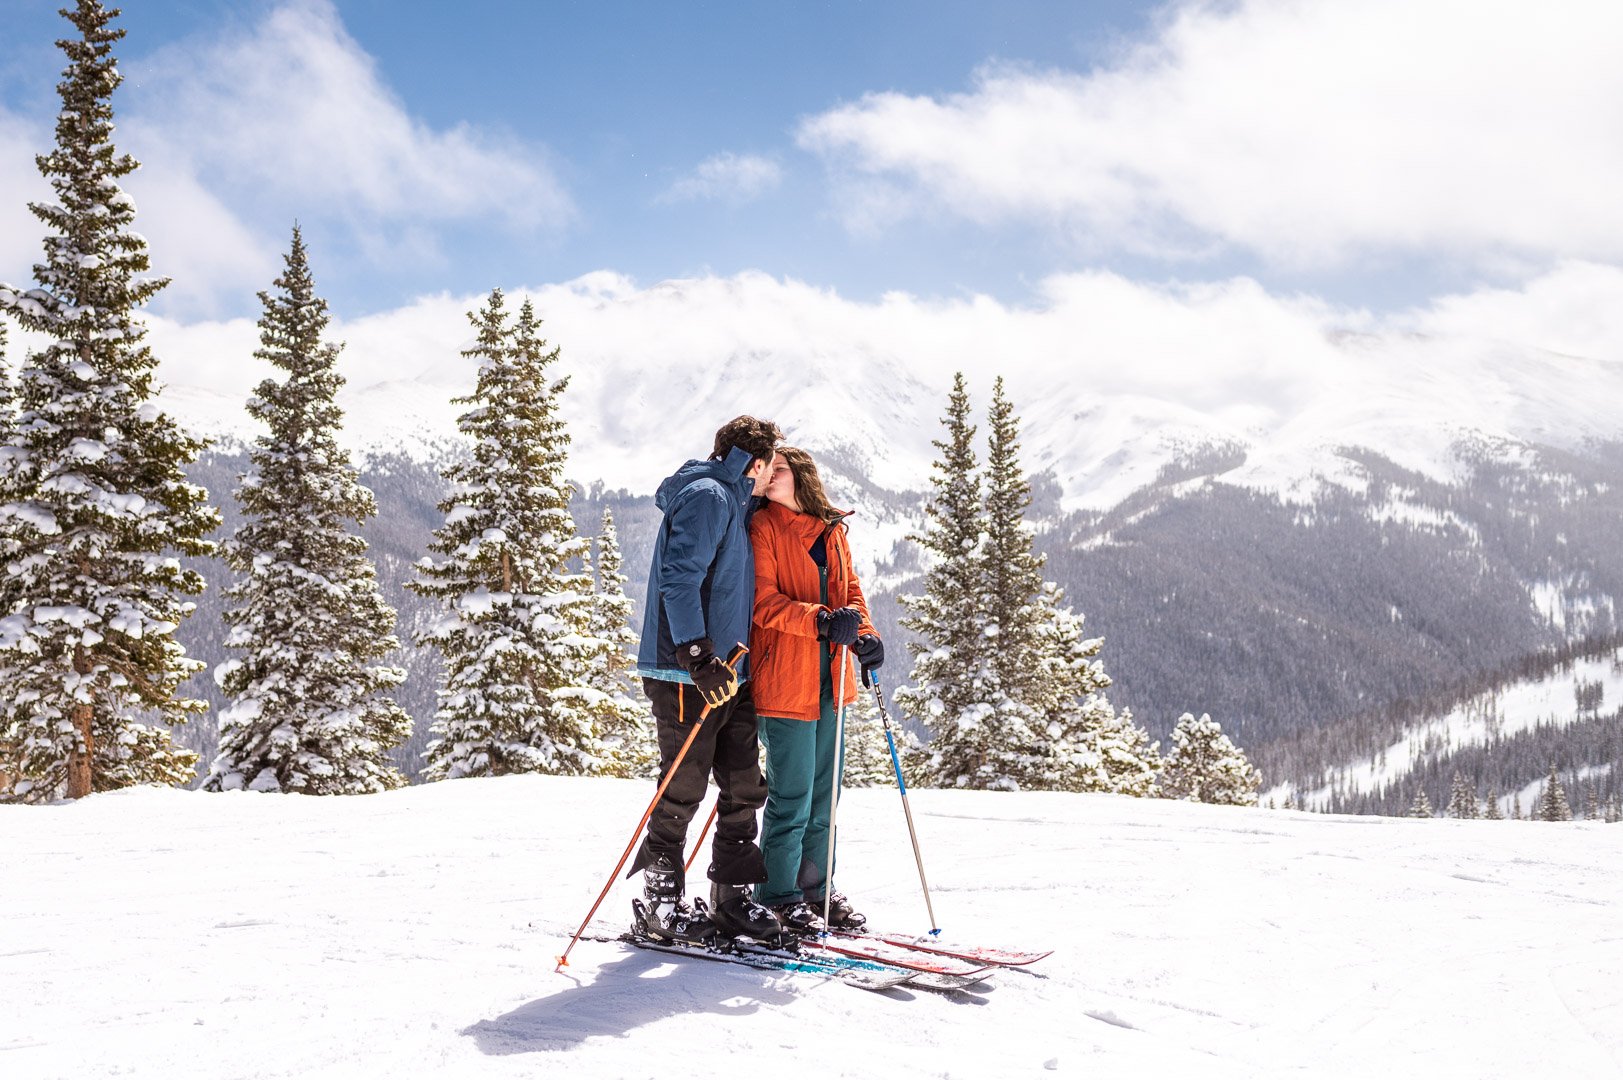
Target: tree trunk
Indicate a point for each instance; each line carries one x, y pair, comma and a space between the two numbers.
80, 775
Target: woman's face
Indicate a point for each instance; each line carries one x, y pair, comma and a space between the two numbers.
780, 485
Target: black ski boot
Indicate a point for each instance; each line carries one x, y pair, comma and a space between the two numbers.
735, 913
800, 918
841, 915
662, 914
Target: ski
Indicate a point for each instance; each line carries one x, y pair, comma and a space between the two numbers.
863, 975
884, 952
977, 954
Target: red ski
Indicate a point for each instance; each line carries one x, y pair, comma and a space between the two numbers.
923, 943
862, 947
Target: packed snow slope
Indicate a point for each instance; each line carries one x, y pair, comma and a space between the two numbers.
158, 933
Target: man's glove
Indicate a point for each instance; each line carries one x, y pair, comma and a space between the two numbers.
714, 679
839, 627
870, 654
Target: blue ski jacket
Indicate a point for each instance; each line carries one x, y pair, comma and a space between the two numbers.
702, 580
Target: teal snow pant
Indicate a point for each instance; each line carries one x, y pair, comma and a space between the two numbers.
800, 763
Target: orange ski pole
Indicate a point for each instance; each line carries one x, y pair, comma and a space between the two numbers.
563, 961
704, 832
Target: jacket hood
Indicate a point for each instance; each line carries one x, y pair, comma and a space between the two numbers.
729, 471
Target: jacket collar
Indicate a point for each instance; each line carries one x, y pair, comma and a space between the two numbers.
802, 525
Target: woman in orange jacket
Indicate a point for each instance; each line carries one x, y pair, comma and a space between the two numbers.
808, 604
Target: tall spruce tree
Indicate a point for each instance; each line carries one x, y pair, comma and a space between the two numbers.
625, 724
1461, 799
1205, 766
1552, 802
1490, 807
1421, 807
310, 711
1012, 567
97, 498
954, 690
515, 633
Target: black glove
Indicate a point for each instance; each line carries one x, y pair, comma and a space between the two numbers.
870, 654
839, 627
715, 680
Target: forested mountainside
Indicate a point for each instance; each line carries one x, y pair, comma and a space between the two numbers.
1309, 629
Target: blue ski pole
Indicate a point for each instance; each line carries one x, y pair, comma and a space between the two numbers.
896, 763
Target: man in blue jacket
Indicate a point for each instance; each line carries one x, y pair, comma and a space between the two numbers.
701, 598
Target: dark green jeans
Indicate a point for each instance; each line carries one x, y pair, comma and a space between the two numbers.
800, 763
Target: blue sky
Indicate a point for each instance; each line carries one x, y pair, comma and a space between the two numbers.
1193, 174
621, 101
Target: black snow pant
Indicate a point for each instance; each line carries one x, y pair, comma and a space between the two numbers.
726, 748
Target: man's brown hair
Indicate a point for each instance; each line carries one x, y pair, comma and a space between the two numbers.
757, 438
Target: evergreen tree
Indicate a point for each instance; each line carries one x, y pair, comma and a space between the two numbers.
1516, 807
1421, 807
1089, 746
310, 711
625, 724
1592, 809
1205, 766
1552, 803
1491, 809
954, 690
96, 494
867, 751
1461, 799
515, 630
1013, 569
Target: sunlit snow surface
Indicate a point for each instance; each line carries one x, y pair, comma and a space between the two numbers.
169, 934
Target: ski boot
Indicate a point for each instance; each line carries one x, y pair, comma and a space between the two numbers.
662, 914
841, 915
800, 918
734, 913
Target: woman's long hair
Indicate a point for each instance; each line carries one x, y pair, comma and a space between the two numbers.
809, 491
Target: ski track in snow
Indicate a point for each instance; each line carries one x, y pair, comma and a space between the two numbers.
156, 933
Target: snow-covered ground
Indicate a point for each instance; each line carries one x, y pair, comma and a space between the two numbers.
156, 933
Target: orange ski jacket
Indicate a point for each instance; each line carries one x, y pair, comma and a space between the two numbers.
786, 656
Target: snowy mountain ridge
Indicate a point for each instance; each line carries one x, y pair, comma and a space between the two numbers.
1106, 403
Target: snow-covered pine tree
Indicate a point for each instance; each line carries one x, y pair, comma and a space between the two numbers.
310, 711
1491, 811
1552, 802
1205, 766
1592, 809
1012, 567
1421, 807
867, 751
1461, 799
953, 690
515, 630
625, 724
1089, 746
97, 498
1516, 807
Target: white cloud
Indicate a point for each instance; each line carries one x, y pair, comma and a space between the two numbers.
1111, 375
294, 106
735, 177
1309, 133
20, 183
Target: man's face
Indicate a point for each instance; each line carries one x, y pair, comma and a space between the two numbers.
760, 472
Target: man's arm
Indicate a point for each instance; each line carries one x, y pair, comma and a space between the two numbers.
697, 522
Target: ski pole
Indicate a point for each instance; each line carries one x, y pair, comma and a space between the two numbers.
896, 763
704, 832
563, 961
834, 794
